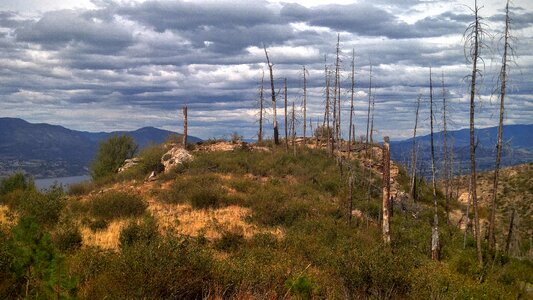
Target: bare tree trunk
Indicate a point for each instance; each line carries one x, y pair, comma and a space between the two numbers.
385, 226
435, 229
286, 127
413, 159
351, 137
369, 104
329, 143
467, 215
433, 182
510, 234
350, 203
475, 35
336, 93
184, 137
261, 99
276, 130
372, 125
305, 107
446, 166
293, 130
503, 79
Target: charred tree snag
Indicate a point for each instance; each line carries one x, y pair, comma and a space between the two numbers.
276, 130
385, 226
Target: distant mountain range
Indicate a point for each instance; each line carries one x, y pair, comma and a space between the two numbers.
518, 148
45, 150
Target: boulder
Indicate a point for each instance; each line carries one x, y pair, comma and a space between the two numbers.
128, 163
175, 156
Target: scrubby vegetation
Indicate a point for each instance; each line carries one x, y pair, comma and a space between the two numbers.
301, 246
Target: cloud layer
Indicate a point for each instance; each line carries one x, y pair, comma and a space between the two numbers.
116, 64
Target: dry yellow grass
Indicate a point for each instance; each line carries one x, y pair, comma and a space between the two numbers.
211, 223
6, 216
105, 239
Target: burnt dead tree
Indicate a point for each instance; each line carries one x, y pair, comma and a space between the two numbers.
435, 229
503, 81
369, 105
446, 174
286, 120
352, 133
261, 103
184, 137
305, 107
413, 158
474, 42
385, 221
276, 130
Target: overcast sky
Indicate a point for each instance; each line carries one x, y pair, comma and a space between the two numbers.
107, 65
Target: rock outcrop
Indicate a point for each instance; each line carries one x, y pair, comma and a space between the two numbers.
128, 163
175, 156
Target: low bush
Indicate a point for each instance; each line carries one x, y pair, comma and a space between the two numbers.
230, 240
15, 182
45, 207
81, 188
98, 224
115, 205
144, 232
67, 238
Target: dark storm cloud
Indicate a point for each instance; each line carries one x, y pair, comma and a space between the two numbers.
58, 28
518, 20
181, 15
367, 20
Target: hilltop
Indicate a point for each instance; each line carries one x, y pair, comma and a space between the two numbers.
44, 150
251, 221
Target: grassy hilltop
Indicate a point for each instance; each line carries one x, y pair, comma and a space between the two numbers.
253, 224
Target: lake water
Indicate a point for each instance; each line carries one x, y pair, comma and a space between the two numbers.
64, 181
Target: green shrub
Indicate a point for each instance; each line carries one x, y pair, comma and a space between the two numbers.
15, 182
67, 238
98, 224
205, 198
45, 207
111, 155
115, 205
301, 287
230, 240
165, 269
145, 232
81, 188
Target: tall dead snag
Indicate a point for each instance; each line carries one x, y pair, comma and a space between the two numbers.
445, 146
474, 35
510, 234
350, 199
352, 134
329, 143
372, 124
503, 81
276, 131
385, 226
293, 127
305, 107
413, 158
369, 104
435, 229
286, 127
184, 137
336, 93
433, 182
261, 100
